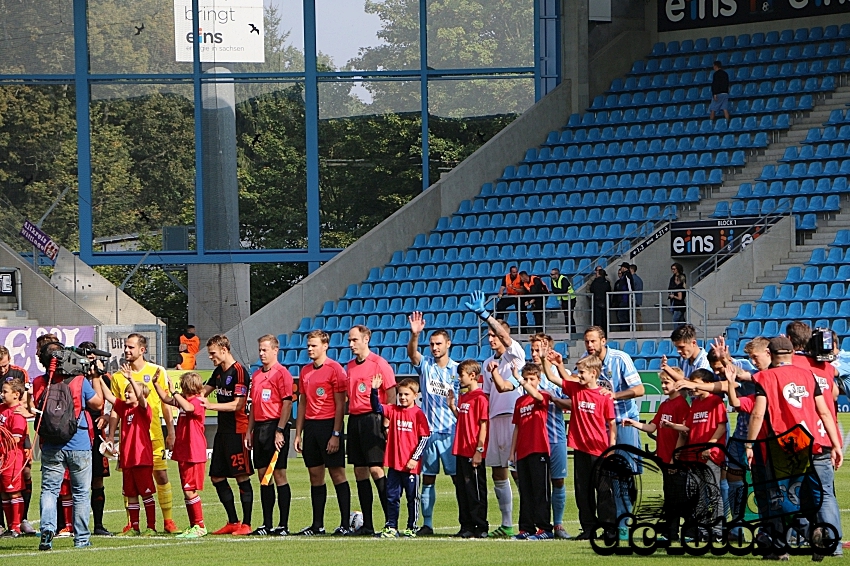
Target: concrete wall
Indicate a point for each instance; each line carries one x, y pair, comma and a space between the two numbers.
397, 232
95, 293
43, 302
612, 47
743, 269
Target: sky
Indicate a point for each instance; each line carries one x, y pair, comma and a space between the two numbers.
342, 26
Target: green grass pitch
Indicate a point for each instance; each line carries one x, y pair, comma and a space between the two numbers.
441, 549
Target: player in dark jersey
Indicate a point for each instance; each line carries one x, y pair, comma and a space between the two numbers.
230, 458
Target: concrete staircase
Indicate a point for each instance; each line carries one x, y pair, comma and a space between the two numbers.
11, 317
827, 227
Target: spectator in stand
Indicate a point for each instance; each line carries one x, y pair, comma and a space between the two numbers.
719, 92
624, 286
533, 285
677, 298
599, 288
562, 286
512, 286
637, 285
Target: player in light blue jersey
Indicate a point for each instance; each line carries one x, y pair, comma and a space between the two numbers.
437, 377
621, 378
693, 357
541, 345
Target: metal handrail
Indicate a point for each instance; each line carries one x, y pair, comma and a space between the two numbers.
710, 265
695, 307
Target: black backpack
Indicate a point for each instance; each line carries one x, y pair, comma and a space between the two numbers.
57, 421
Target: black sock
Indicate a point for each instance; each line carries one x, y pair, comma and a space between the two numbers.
381, 485
225, 495
284, 498
246, 496
267, 497
98, 500
27, 497
343, 497
364, 494
318, 497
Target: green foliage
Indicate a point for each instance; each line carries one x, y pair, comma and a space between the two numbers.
142, 135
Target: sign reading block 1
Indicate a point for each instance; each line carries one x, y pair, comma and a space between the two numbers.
231, 31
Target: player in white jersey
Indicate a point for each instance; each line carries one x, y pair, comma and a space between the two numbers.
503, 390
437, 376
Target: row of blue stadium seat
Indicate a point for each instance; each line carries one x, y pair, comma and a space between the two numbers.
589, 199
639, 180
814, 169
810, 152
801, 292
828, 134
750, 89
541, 235
837, 118
624, 214
824, 58
823, 186
833, 305
759, 207
842, 240
671, 113
508, 251
469, 229
617, 196
701, 143
579, 167
636, 100
832, 257
799, 71
755, 328
570, 143
744, 41
818, 270
393, 277
486, 223
753, 58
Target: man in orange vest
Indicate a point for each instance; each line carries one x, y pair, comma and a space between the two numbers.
509, 292
190, 345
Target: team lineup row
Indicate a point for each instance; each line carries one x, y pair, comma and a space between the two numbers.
501, 414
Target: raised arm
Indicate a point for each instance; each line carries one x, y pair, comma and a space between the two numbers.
374, 400
137, 391
502, 385
476, 305
732, 385
535, 393
417, 325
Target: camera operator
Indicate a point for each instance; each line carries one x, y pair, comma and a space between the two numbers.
75, 455
100, 463
806, 353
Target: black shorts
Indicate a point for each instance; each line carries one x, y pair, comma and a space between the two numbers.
230, 458
263, 439
366, 440
314, 445
99, 462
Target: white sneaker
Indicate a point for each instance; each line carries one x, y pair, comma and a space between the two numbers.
27, 528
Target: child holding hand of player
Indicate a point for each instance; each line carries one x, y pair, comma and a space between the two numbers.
530, 452
470, 444
407, 435
135, 452
705, 424
11, 474
190, 446
675, 410
592, 430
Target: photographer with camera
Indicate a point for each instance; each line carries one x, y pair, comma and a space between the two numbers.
66, 434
